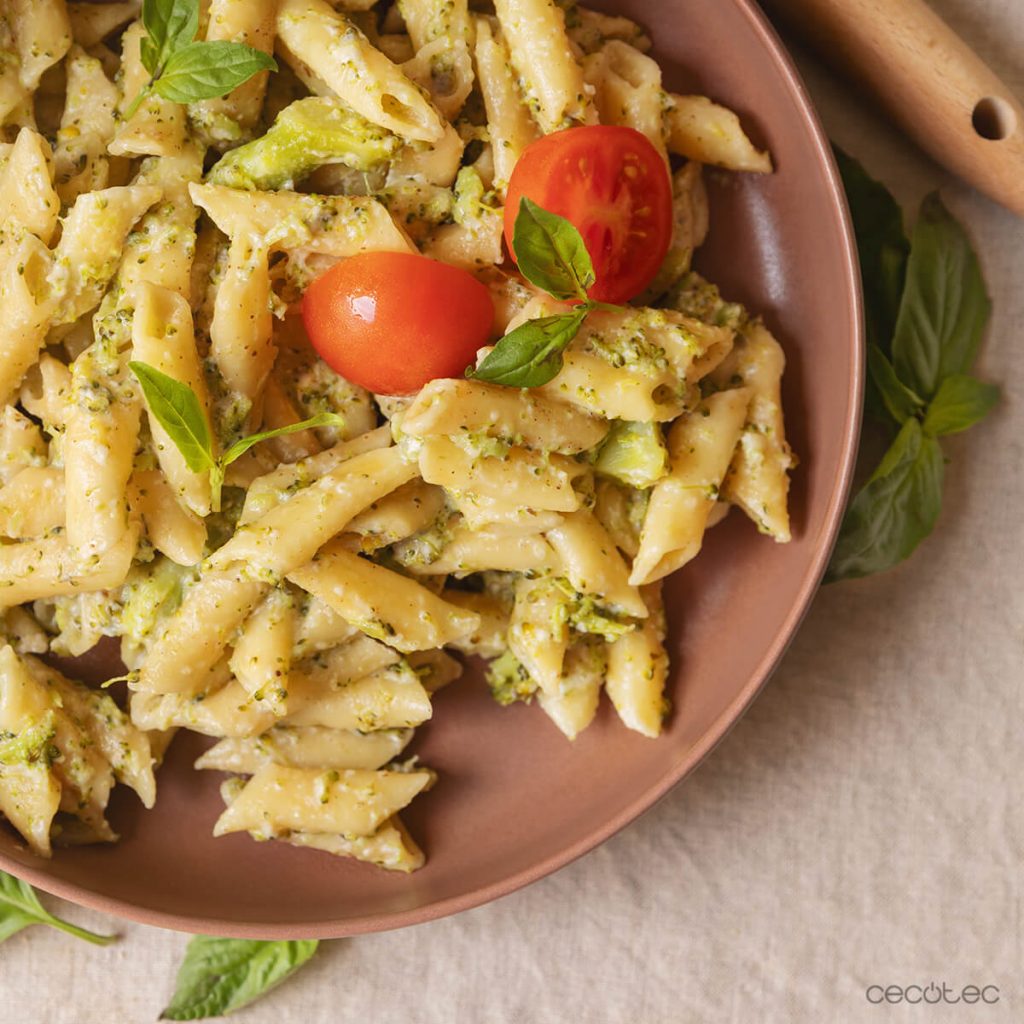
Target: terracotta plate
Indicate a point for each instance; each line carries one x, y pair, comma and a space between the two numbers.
515, 800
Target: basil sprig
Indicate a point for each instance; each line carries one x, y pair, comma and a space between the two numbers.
551, 254
20, 907
178, 410
183, 70
926, 307
218, 976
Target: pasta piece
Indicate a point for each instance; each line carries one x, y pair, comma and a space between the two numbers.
411, 508
620, 509
34, 569
502, 517
390, 847
87, 127
23, 632
638, 668
573, 705
38, 35
90, 245
289, 534
27, 198
162, 337
490, 639
226, 710
263, 651
46, 391
627, 90
197, 634
333, 225
508, 122
269, 490
590, 30
593, 564
320, 628
428, 163
710, 134
230, 119
548, 75
701, 446
467, 551
171, 528
29, 800
351, 802
307, 747
125, 748
538, 632
758, 479
27, 303
158, 127
389, 698
32, 504
441, 35
318, 41
382, 603
475, 409
537, 481
102, 428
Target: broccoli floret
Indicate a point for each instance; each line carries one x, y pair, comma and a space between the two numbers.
585, 615
696, 297
509, 681
306, 135
31, 744
633, 453
148, 598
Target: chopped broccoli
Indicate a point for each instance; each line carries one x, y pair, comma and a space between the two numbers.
149, 597
633, 453
306, 135
693, 296
509, 681
470, 197
31, 744
585, 615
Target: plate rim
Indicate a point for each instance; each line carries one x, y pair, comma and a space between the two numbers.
693, 757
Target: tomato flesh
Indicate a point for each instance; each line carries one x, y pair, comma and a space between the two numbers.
614, 186
391, 321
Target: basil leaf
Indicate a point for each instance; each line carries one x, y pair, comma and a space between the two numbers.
221, 975
178, 411
899, 400
530, 355
169, 25
203, 71
550, 252
945, 306
20, 907
881, 245
960, 402
323, 419
895, 510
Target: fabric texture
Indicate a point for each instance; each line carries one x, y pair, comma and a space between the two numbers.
860, 826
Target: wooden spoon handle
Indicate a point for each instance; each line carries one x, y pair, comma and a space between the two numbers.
932, 84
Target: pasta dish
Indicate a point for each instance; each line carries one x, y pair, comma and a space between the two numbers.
341, 342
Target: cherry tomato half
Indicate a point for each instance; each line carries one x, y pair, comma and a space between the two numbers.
391, 321
613, 185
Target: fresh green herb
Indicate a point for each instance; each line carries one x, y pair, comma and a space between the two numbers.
178, 410
182, 70
219, 976
20, 907
926, 310
895, 510
551, 254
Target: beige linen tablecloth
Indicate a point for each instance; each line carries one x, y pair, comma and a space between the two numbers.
860, 826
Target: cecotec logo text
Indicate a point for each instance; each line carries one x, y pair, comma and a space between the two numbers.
931, 994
